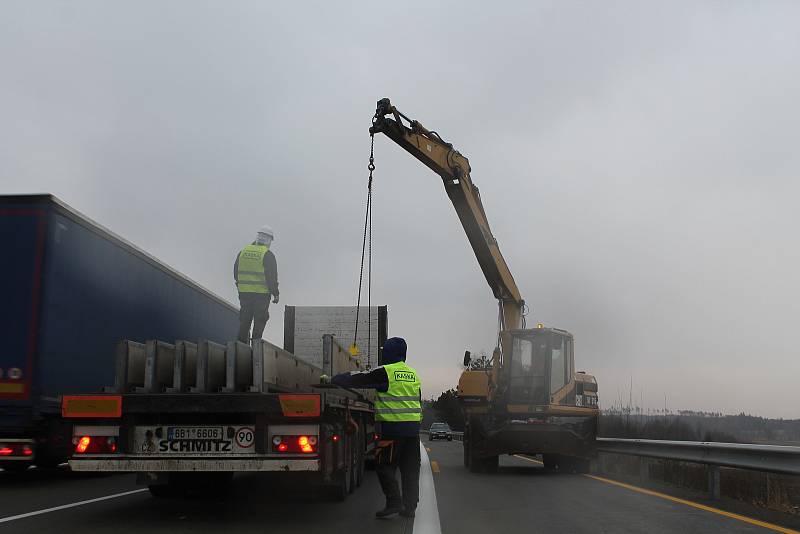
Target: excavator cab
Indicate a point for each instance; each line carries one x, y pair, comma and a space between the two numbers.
537, 370
538, 366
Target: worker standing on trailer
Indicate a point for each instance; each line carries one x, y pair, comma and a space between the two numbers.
256, 274
398, 410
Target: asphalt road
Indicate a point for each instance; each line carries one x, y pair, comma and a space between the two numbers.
523, 497
520, 497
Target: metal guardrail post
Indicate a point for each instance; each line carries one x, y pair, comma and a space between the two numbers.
713, 482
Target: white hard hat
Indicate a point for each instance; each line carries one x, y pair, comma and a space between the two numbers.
266, 230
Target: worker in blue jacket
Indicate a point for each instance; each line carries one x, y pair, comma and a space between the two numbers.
398, 411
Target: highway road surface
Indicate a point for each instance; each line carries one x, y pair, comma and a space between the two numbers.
521, 497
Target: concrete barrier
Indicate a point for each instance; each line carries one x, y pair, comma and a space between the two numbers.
159, 366
210, 367
184, 371
129, 372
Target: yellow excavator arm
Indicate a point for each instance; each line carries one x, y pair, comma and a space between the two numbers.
440, 156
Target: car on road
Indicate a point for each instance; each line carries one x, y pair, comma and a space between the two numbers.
440, 431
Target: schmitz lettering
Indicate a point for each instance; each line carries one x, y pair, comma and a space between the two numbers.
404, 376
187, 445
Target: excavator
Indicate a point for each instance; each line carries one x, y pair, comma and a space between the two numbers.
529, 399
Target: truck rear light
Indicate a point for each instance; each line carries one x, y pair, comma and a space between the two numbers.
295, 444
83, 444
15, 449
335, 438
96, 444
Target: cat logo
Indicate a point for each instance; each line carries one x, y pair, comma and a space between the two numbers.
404, 376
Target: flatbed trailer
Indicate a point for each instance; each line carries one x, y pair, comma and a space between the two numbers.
194, 435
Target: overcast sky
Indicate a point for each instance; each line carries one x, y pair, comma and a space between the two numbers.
638, 162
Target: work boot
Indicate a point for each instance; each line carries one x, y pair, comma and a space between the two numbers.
391, 509
408, 512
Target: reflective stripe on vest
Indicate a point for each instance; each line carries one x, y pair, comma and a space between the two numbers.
250, 271
401, 402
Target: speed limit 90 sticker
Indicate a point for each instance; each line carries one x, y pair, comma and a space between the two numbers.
245, 437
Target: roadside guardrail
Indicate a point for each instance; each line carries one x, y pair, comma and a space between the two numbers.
781, 459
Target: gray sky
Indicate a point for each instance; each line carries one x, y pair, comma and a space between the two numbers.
638, 162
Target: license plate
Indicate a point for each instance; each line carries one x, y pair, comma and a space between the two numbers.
194, 432
194, 440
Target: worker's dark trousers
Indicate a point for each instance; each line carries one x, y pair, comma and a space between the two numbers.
406, 456
253, 308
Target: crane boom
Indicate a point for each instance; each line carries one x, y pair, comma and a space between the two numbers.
454, 169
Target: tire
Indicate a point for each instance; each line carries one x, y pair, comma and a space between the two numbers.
551, 462
341, 486
354, 441
476, 464
360, 459
450, 438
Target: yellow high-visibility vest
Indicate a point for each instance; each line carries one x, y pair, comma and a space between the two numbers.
401, 402
250, 271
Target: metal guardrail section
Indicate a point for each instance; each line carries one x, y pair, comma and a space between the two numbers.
771, 458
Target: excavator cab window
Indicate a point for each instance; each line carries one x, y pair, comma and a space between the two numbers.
539, 365
558, 361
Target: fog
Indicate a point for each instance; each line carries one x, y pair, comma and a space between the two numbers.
638, 163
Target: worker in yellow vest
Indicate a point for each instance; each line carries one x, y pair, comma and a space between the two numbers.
398, 410
256, 274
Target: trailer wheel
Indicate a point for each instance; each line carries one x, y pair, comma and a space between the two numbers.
354, 441
359, 466
476, 464
342, 486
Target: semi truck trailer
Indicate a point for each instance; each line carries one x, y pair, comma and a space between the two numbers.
71, 290
186, 416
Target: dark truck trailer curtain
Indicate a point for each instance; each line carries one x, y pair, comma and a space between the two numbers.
71, 290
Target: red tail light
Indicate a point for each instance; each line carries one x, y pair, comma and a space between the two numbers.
83, 444
15, 449
294, 444
95, 444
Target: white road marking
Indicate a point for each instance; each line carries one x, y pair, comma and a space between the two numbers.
427, 518
71, 505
